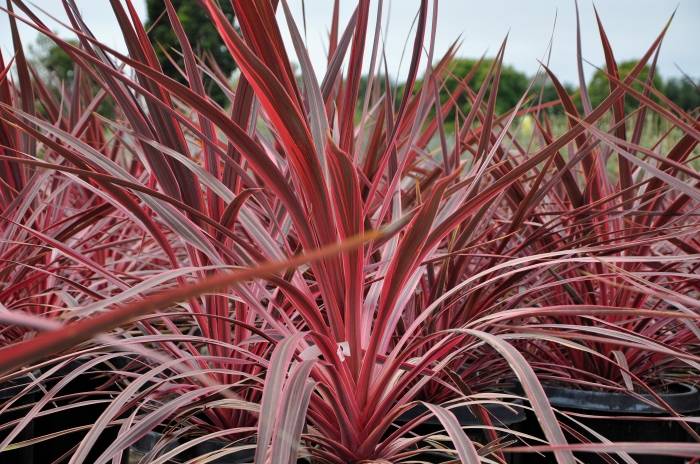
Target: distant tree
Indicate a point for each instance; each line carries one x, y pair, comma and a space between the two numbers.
513, 83
512, 86
683, 93
599, 87
58, 69
201, 32
50, 58
378, 86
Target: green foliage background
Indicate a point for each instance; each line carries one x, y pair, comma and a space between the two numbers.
201, 32
599, 86
207, 43
513, 83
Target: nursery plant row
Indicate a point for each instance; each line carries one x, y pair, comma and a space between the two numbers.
326, 270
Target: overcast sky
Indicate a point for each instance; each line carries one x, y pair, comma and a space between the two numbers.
481, 25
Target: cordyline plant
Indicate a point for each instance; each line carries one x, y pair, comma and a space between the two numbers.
636, 221
608, 233
293, 272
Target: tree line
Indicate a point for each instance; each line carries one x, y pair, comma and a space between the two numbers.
682, 91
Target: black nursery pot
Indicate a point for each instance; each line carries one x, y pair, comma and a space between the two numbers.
151, 445
682, 398
239, 457
63, 446
9, 390
501, 416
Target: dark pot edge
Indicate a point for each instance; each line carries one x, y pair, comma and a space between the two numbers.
152, 437
500, 415
12, 387
601, 401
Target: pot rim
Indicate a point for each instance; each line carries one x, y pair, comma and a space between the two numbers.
685, 401
11, 388
500, 414
146, 443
